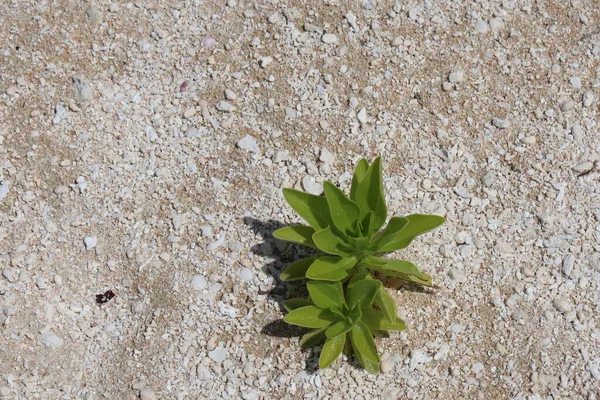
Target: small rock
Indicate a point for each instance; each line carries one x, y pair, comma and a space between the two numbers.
351, 18
265, 61
60, 113
230, 94
248, 143
567, 105
281, 155
28, 196
95, 15
326, 156
462, 192
225, 106
192, 132
386, 365
329, 38
417, 357
218, 355
85, 93
496, 23
577, 132
489, 179
3, 191
90, 242
362, 116
567, 265
178, 221
576, 82
442, 353
397, 41
478, 367
588, 99
562, 305
190, 112
481, 26
216, 244
583, 167
208, 42
501, 123
312, 187
199, 282
246, 274
49, 339
147, 394
456, 76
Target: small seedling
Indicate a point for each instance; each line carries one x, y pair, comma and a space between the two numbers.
349, 230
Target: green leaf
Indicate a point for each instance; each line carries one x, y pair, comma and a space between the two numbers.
418, 224
362, 293
386, 304
331, 350
400, 266
364, 347
313, 209
326, 240
300, 234
344, 212
374, 262
313, 338
394, 226
326, 294
297, 270
359, 173
338, 328
369, 196
377, 321
295, 303
310, 317
422, 279
331, 268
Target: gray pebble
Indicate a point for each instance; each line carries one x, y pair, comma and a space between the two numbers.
567, 105
225, 106
199, 282
192, 132
588, 99
249, 144
312, 187
95, 15
218, 355
246, 274
562, 305
567, 265
489, 179
50, 339
85, 93
326, 156
147, 394
481, 26
90, 242
329, 38
501, 123
281, 155
456, 76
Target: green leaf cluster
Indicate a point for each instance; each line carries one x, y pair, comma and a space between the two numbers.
349, 231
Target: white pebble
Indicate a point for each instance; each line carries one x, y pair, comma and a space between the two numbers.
442, 353
312, 187
496, 23
246, 274
576, 82
329, 38
3, 191
225, 106
567, 265
216, 244
249, 144
281, 155
567, 105
588, 99
147, 394
49, 339
265, 61
417, 357
501, 123
481, 26
218, 355
583, 167
456, 76
326, 156
362, 116
199, 282
397, 41
563, 305
90, 242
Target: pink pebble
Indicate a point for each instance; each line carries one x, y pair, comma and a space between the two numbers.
208, 42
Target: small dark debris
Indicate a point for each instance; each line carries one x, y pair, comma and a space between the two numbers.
105, 297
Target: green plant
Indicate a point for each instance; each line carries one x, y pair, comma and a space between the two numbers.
349, 230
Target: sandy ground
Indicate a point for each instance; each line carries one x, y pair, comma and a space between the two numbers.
144, 146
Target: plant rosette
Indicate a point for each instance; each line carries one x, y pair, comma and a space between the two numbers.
333, 317
348, 229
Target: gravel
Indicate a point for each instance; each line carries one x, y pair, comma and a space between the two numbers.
144, 146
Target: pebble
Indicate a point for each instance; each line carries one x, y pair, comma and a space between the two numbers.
190, 112
501, 123
95, 15
567, 265
362, 116
85, 93
28, 196
281, 155
577, 132
265, 61
417, 357
456, 76
562, 305
588, 99
248, 143
329, 38
462, 192
489, 179
326, 156
4, 189
218, 355
246, 274
576, 82
312, 187
496, 23
351, 18
567, 105
90, 242
481, 26
397, 41
583, 167
208, 42
147, 394
225, 106
60, 113
442, 353
199, 282
230, 94
217, 243
48, 338
192, 132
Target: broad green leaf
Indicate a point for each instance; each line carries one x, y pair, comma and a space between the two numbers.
313, 209
394, 226
300, 234
359, 173
362, 293
313, 338
310, 317
386, 304
422, 279
344, 212
331, 268
369, 196
365, 224
296, 303
329, 242
377, 321
364, 347
331, 350
418, 224
401, 266
338, 328
297, 270
374, 262
326, 294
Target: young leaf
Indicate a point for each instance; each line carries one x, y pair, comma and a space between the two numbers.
295, 303
331, 268
386, 304
329, 242
377, 321
362, 293
418, 224
395, 225
369, 196
400, 266
359, 173
297, 270
364, 347
338, 328
313, 338
310, 317
326, 294
313, 209
343, 210
300, 234
331, 350
422, 279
